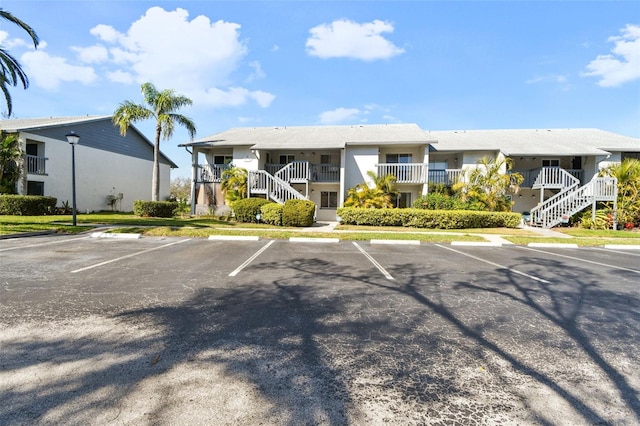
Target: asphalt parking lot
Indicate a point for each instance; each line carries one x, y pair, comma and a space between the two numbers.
193, 331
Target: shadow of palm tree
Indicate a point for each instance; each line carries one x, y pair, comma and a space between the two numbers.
352, 348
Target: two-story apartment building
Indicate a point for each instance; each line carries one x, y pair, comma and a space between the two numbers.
106, 162
321, 163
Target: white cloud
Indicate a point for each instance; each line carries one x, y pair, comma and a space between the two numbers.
92, 54
234, 96
339, 115
49, 71
257, 74
263, 99
550, 78
348, 39
194, 57
120, 76
623, 64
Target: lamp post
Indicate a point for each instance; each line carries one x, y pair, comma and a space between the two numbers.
73, 139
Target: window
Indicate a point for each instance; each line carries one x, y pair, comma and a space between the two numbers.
35, 188
328, 200
222, 159
551, 163
325, 159
402, 200
398, 158
286, 159
438, 165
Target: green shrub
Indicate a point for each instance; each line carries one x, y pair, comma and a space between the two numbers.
246, 209
440, 201
155, 208
272, 213
27, 205
298, 213
434, 219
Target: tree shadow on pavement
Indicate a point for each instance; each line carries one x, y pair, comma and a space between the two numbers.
354, 348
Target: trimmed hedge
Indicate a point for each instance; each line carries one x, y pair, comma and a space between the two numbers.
155, 208
272, 213
27, 205
245, 210
438, 201
433, 219
298, 213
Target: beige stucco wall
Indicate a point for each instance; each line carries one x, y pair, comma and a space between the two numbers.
358, 161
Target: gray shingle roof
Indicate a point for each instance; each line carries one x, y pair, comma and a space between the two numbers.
535, 142
316, 137
21, 124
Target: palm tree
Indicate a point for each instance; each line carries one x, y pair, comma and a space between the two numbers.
234, 184
489, 183
11, 156
12, 72
379, 196
628, 174
161, 106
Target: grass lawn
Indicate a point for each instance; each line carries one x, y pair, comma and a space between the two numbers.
202, 227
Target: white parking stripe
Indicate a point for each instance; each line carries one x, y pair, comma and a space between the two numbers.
44, 244
128, 256
372, 260
515, 271
583, 260
251, 259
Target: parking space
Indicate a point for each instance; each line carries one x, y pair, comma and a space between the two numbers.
175, 330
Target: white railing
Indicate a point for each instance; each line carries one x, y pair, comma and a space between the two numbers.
211, 172
404, 172
261, 182
296, 172
446, 176
36, 165
555, 178
567, 203
325, 172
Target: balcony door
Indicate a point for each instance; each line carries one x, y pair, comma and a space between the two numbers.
404, 173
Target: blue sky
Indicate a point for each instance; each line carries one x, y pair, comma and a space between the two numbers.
441, 65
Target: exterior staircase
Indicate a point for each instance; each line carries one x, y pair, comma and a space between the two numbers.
275, 188
572, 199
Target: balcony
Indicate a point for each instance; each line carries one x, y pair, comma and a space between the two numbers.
302, 171
404, 172
36, 165
530, 175
447, 177
210, 173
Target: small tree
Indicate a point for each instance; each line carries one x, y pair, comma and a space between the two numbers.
180, 189
11, 161
378, 196
628, 175
488, 183
234, 184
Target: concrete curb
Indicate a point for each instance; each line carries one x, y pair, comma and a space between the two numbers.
405, 242
476, 243
115, 235
622, 246
234, 237
313, 240
552, 245
26, 234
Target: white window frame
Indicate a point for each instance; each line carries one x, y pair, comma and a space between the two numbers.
330, 195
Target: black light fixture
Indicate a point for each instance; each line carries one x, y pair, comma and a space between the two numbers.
73, 139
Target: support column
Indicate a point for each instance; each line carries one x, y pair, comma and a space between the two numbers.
194, 177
